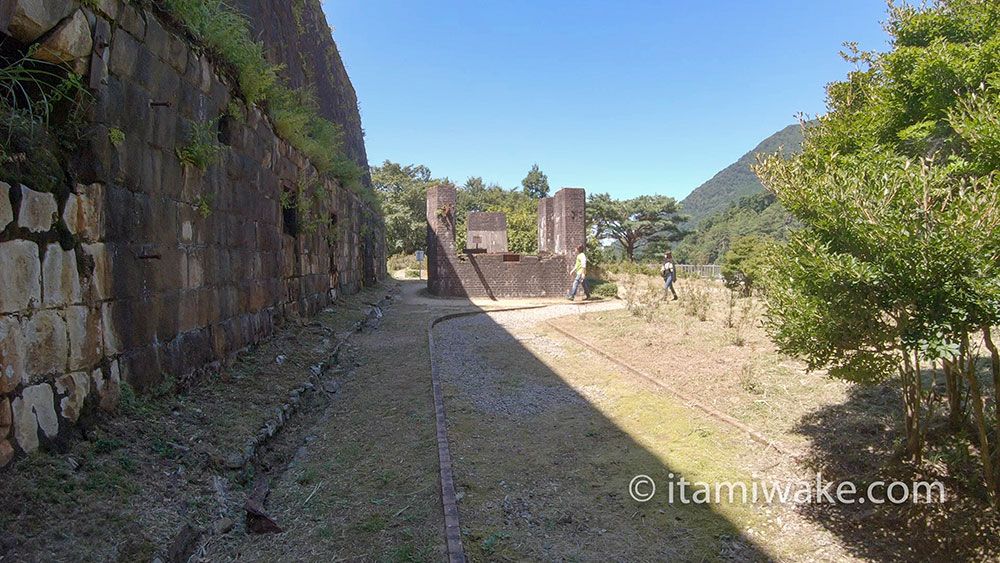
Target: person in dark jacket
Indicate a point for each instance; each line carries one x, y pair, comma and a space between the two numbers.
669, 272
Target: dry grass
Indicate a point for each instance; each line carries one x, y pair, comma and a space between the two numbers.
362, 486
736, 369
143, 474
549, 480
849, 432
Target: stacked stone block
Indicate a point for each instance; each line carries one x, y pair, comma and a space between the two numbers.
146, 266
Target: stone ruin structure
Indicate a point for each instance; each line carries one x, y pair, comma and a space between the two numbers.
485, 268
140, 266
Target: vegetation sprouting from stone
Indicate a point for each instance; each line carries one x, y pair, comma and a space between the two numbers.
226, 34
896, 268
200, 149
41, 116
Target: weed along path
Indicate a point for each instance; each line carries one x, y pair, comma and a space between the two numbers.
547, 436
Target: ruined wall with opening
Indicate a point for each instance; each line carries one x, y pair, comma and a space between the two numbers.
139, 267
477, 273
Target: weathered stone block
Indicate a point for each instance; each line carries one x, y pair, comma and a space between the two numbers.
132, 21
45, 341
110, 341
110, 8
20, 276
6, 211
108, 386
6, 452
33, 409
124, 55
6, 418
12, 354
38, 210
84, 212
74, 387
71, 43
84, 327
60, 278
32, 18
100, 281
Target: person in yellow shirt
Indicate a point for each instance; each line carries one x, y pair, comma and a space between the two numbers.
580, 269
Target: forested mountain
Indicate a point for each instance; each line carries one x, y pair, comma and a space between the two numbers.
736, 180
758, 215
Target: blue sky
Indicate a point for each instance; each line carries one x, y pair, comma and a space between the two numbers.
626, 97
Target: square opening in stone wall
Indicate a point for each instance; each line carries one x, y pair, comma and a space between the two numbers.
511, 257
225, 129
290, 210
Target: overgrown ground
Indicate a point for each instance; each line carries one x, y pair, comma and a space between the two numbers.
847, 431
127, 486
546, 437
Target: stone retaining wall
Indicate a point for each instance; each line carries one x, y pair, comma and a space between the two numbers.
142, 267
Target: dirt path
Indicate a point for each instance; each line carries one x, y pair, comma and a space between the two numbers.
546, 437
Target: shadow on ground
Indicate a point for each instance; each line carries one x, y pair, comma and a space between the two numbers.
543, 473
859, 440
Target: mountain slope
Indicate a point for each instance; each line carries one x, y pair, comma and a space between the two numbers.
736, 180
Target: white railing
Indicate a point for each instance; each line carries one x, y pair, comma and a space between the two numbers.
712, 271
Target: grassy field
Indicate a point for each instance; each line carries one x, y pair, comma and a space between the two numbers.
547, 436
713, 348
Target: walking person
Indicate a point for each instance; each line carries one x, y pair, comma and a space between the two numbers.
669, 272
580, 269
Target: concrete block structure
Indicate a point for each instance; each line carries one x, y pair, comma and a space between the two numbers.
479, 271
486, 231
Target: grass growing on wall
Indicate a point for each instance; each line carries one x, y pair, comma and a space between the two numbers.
226, 34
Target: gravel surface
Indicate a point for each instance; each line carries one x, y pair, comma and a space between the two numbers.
497, 383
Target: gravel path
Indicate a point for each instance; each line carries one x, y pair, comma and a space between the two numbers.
495, 387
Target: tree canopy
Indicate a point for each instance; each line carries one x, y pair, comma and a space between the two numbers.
536, 183
633, 223
403, 193
898, 257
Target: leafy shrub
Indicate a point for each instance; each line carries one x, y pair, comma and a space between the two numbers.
605, 289
696, 299
116, 136
643, 296
745, 263
200, 149
411, 273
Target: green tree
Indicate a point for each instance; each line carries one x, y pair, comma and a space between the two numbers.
634, 222
521, 211
402, 191
536, 183
897, 262
745, 263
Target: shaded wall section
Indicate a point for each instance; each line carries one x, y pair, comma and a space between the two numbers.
295, 33
142, 267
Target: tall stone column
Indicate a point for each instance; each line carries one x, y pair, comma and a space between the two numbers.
546, 233
441, 206
569, 220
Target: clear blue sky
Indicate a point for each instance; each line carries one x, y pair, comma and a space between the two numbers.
627, 97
